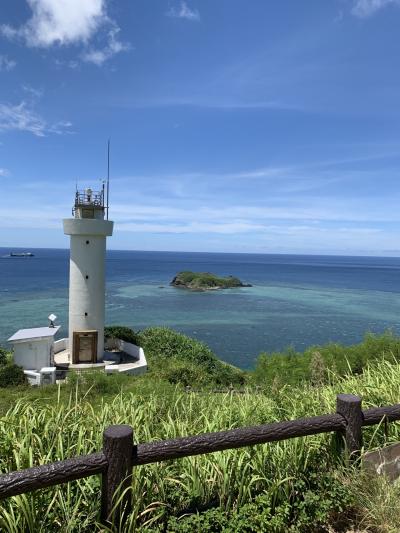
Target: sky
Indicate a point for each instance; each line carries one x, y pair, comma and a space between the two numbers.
262, 126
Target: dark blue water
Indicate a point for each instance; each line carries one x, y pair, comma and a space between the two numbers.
295, 300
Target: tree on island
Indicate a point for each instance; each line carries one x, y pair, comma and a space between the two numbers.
203, 281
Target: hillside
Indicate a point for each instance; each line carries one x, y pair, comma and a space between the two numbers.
297, 485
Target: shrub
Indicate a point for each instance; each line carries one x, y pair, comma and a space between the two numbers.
173, 354
164, 343
184, 373
316, 500
120, 332
294, 367
4, 356
11, 375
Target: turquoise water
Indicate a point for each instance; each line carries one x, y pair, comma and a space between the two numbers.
295, 300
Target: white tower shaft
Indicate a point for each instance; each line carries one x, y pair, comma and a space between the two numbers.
87, 286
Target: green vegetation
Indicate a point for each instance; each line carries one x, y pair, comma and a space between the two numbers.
317, 363
10, 375
201, 281
177, 358
299, 485
120, 332
296, 485
5, 356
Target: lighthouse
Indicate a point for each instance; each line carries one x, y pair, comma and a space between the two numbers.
88, 230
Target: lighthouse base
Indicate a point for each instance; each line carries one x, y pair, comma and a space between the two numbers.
120, 357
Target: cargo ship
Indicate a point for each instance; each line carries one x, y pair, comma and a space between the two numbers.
22, 254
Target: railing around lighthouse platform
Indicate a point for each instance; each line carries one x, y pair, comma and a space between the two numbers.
88, 197
89, 204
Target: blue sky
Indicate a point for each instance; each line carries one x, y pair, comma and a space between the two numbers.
236, 126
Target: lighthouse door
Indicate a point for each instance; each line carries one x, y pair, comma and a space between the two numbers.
85, 347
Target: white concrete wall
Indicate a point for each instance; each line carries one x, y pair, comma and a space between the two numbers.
87, 258
129, 348
123, 346
136, 368
33, 355
60, 345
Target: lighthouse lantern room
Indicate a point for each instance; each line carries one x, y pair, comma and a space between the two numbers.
88, 230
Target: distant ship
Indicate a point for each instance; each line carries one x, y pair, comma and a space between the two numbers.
22, 254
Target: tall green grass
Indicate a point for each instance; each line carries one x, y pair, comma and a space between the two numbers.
287, 475
316, 363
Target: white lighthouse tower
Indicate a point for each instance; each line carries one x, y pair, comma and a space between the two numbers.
88, 230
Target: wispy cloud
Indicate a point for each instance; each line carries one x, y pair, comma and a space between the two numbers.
366, 8
4, 172
6, 64
21, 117
32, 91
68, 23
212, 103
183, 11
113, 46
262, 221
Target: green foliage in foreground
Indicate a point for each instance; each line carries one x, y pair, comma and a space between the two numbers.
10, 375
5, 356
317, 363
296, 485
204, 280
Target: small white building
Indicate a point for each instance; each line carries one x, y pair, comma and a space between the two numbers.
34, 347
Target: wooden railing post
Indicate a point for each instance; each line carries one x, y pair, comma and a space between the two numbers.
349, 407
118, 449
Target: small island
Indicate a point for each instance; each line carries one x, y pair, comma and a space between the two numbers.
205, 281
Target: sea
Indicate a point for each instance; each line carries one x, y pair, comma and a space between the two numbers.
295, 300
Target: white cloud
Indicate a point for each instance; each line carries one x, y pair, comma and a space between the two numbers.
113, 46
6, 64
60, 128
59, 22
69, 22
366, 8
183, 11
34, 93
4, 172
21, 117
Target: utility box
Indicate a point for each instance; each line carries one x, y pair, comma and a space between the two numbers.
48, 375
33, 377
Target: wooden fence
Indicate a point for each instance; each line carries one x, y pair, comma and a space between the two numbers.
119, 455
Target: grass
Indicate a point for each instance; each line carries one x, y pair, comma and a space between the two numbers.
294, 485
317, 363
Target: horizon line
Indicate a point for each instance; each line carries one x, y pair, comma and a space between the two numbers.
315, 254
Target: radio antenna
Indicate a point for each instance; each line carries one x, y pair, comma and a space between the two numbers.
108, 175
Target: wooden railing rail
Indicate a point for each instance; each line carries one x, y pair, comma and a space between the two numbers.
120, 455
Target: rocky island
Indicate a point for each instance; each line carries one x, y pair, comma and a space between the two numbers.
205, 281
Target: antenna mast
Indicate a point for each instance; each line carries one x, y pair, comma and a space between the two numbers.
108, 175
